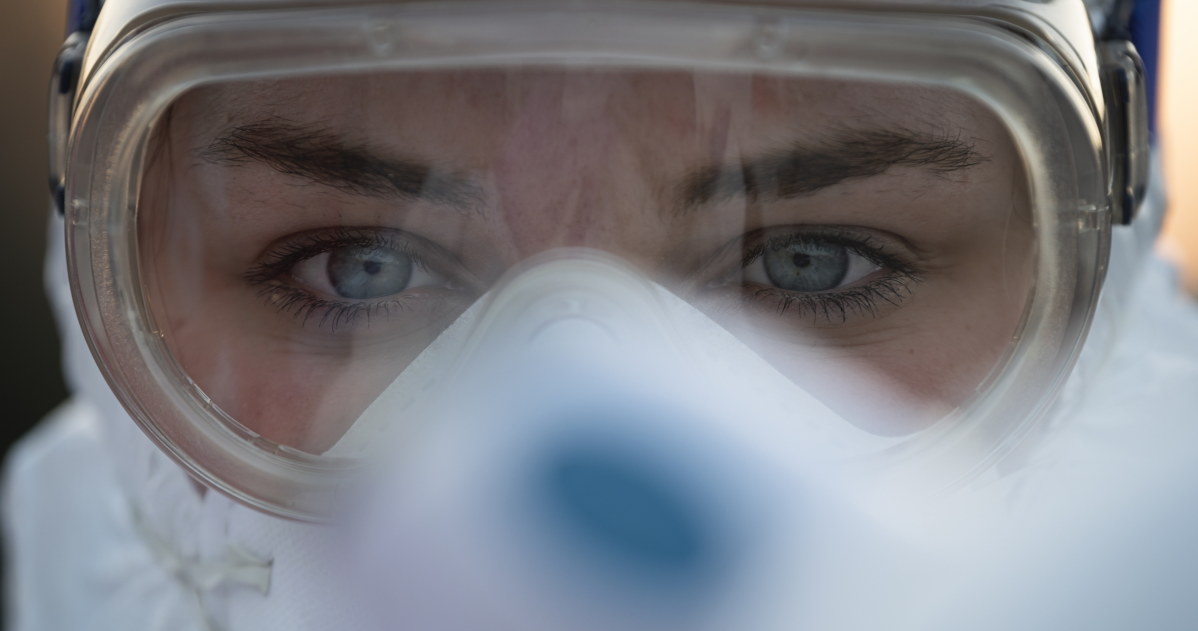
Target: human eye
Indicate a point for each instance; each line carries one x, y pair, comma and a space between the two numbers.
337, 277
830, 274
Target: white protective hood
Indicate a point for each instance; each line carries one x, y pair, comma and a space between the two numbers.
104, 532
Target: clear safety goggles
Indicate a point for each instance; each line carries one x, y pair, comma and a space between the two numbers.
903, 209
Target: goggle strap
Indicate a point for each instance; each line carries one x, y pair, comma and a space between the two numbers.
82, 14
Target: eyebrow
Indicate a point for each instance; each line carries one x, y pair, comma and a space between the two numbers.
321, 156
804, 169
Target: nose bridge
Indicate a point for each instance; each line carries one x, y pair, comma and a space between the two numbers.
571, 171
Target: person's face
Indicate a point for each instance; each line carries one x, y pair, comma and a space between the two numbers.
304, 239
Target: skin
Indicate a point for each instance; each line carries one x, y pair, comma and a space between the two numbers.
543, 159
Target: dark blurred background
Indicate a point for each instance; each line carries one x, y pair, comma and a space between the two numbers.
30, 379
31, 31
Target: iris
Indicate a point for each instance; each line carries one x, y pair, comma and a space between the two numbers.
806, 266
363, 273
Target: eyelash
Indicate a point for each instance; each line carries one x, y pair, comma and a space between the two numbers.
268, 276
839, 304
829, 306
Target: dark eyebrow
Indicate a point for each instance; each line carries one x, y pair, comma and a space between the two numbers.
803, 169
320, 155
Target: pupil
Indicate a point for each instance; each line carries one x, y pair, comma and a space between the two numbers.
801, 260
372, 267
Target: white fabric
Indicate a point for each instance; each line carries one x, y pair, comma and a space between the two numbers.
105, 533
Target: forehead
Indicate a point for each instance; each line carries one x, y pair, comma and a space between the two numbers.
472, 106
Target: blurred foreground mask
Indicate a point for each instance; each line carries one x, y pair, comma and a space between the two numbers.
622, 280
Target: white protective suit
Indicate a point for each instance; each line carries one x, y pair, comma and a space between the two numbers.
104, 532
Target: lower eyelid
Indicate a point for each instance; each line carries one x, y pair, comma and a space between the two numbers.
334, 315
837, 307
303, 305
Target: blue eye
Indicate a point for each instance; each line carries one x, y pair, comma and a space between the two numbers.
807, 264
340, 276
364, 273
806, 267
831, 274
360, 269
